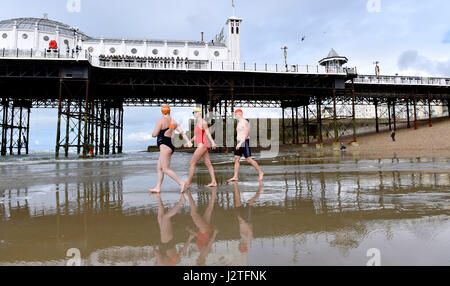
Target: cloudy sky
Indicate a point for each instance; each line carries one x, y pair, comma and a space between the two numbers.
410, 37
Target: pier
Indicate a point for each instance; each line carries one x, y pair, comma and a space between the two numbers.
91, 79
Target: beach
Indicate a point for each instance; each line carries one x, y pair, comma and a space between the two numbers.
313, 209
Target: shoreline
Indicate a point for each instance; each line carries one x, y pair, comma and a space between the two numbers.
432, 142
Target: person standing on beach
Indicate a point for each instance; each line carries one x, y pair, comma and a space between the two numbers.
164, 130
393, 135
243, 147
201, 136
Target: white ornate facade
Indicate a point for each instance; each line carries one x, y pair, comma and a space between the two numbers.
36, 33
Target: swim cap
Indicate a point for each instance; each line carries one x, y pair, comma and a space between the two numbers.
197, 109
165, 109
239, 111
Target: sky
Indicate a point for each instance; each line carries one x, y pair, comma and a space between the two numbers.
407, 37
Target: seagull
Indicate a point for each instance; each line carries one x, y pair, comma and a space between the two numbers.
303, 38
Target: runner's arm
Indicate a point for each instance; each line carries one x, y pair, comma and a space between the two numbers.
157, 129
179, 129
208, 134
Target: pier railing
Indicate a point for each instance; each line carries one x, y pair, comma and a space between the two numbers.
169, 64
150, 63
44, 54
402, 80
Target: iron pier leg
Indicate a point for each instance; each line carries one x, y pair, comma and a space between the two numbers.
430, 120
305, 128
5, 104
389, 114
394, 115
86, 122
11, 141
353, 111
58, 126
102, 127
28, 131
114, 130
80, 121
296, 126
66, 145
377, 127
293, 126
415, 111
19, 141
407, 114
336, 130
319, 120
282, 124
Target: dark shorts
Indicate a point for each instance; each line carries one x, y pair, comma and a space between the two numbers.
244, 150
165, 141
164, 247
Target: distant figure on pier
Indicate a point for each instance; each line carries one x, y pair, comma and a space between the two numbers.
201, 136
343, 146
393, 135
243, 147
164, 130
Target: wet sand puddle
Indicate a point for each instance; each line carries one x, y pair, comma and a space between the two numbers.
310, 211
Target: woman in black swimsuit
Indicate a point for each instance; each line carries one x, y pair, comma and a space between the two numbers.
164, 130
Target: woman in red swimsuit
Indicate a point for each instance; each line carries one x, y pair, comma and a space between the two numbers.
201, 136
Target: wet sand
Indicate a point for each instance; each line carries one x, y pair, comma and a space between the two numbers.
327, 210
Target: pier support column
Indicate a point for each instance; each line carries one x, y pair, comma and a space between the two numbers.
296, 126
353, 111
4, 124
305, 124
389, 114
293, 126
377, 127
415, 111
336, 130
76, 110
430, 120
319, 120
15, 125
407, 114
394, 115
282, 124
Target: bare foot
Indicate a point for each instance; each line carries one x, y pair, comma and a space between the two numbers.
261, 177
155, 190
233, 180
213, 184
183, 185
182, 199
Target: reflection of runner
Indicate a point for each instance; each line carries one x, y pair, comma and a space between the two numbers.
204, 228
167, 254
243, 147
244, 216
201, 137
164, 131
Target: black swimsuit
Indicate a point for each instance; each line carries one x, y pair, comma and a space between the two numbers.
165, 140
